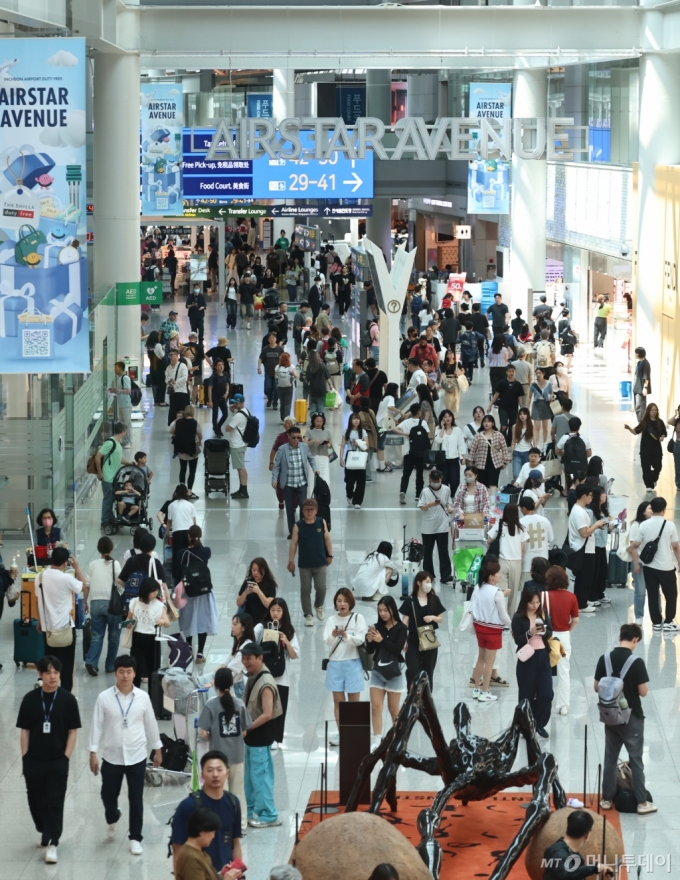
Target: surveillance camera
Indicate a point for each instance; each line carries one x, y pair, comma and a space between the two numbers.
624, 249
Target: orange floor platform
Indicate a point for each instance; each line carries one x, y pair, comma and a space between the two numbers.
472, 838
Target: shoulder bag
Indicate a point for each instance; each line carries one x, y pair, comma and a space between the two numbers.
554, 644
116, 608
495, 545
126, 635
55, 638
389, 669
648, 552
526, 651
324, 662
427, 637
356, 460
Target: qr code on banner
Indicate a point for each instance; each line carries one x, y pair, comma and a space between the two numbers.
35, 343
162, 203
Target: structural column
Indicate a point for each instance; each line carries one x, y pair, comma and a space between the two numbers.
283, 94
528, 209
116, 187
659, 145
379, 105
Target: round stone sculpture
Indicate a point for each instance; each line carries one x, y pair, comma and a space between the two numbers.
350, 845
556, 827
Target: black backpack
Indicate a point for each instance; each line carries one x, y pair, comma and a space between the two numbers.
175, 753
575, 458
135, 393
198, 804
419, 440
274, 657
195, 575
251, 432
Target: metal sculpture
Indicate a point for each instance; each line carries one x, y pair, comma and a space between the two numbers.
472, 768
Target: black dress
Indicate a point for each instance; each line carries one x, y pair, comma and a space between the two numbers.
651, 451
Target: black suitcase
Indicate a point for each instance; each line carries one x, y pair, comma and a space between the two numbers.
156, 695
29, 644
235, 388
617, 570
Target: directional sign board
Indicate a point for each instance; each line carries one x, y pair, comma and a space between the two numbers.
307, 237
321, 211
220, 211
264, 178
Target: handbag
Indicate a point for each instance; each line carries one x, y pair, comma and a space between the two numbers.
332, 456
525, 652
427, 637
271, 635
553, 467
467, 623
356, 460
556, 407
87, 637
671, 444
366, 660
324, 662
55, 638
554, 644
126, 636
575, 558
463, 384
436, 457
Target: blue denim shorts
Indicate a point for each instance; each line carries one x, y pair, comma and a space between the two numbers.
392, 685
345, 676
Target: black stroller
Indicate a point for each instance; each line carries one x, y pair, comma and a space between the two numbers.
216, 458
271, 303
141, 518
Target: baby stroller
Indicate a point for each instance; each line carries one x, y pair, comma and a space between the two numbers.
271, 303
141, 518
216, 458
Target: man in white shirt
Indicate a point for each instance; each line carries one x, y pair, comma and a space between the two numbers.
176, 378
418, 376
660, 571
235, 426
124, 724
539, 536
534, 464
435, 503
580, 535
54, 590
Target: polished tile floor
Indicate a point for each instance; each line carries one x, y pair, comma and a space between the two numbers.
237, 532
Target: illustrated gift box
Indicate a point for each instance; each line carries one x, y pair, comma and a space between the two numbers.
36, 336
12, 304
46, 283
67, 317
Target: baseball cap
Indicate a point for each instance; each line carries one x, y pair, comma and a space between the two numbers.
252, 649
173, 313
237, 398
535, 474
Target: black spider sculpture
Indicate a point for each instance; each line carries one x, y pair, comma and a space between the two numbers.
473, 768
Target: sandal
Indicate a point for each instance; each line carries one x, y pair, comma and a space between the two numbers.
498, 682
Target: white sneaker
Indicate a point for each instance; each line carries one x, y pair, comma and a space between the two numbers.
350, 503
639, 620
476, 693
587, 610
274, 747
309, 620
110, 832
486, 697
594, 604
51, 855
136, 848
671, 627
605, 600
320, 613
357, 507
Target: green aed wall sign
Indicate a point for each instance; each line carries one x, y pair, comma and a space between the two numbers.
135, 293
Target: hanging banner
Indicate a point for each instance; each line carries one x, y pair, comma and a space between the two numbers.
489, 179
162, 118
491, 100
43, 230
454, 286
260, 106
350, 102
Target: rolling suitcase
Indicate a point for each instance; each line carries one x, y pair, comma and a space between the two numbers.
29, 644
301, 411
617, 570
156, 695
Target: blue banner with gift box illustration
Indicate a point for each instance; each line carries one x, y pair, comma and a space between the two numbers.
43, 229
162, 117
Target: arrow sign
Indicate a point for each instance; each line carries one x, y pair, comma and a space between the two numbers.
326, 211
355, 184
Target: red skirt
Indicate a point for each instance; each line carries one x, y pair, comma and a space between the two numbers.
489, 637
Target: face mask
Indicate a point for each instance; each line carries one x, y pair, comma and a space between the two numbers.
560, 369
426, 587
469, 479
435, 485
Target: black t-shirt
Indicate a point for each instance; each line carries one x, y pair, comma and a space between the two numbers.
509, 394
141, 561
378, 380
450, 329
637, 674
61, 708
212, 259
498, 311
164, 510
253, 604
219, 384
270, 359
405, 348
247, 292
219, 353
565, 864
434, 606
480, 323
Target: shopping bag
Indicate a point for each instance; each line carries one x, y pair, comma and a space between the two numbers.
463, 560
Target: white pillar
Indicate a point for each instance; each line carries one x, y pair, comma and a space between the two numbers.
659, 145
528, 209
379, 226
116, 186
284, 94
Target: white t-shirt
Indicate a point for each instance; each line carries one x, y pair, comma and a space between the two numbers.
237, 420
418, 378
664, 558
511, 545
385, 404
579, 518
523, 445
147, 616
231, 293
99, 579
406, 426
453, 444
435, 520
523, 475
470, 431
370, 578
57, 592
182, 514
539, 538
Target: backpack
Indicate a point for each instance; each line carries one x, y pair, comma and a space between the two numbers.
251, 432
135, 393
624, 799
543, 354
648, 552
195, 575
575, 458
330, 358
91, 464
610, 693
366, 340
284, 378
419, 440
416, 303
274, 657
198, 803
132, 585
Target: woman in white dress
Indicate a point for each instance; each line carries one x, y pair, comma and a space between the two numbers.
375, 573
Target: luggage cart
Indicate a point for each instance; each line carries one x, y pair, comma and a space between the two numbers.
185, 714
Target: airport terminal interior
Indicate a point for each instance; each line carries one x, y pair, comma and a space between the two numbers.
448, 189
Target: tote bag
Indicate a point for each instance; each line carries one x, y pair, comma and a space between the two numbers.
356, 460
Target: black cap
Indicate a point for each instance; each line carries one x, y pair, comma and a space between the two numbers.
252, 649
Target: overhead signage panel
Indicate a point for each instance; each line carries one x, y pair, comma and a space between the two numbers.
279, 178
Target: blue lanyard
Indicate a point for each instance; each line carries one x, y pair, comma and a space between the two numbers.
47, 714
125, 714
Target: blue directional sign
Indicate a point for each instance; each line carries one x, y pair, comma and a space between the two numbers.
304, 178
